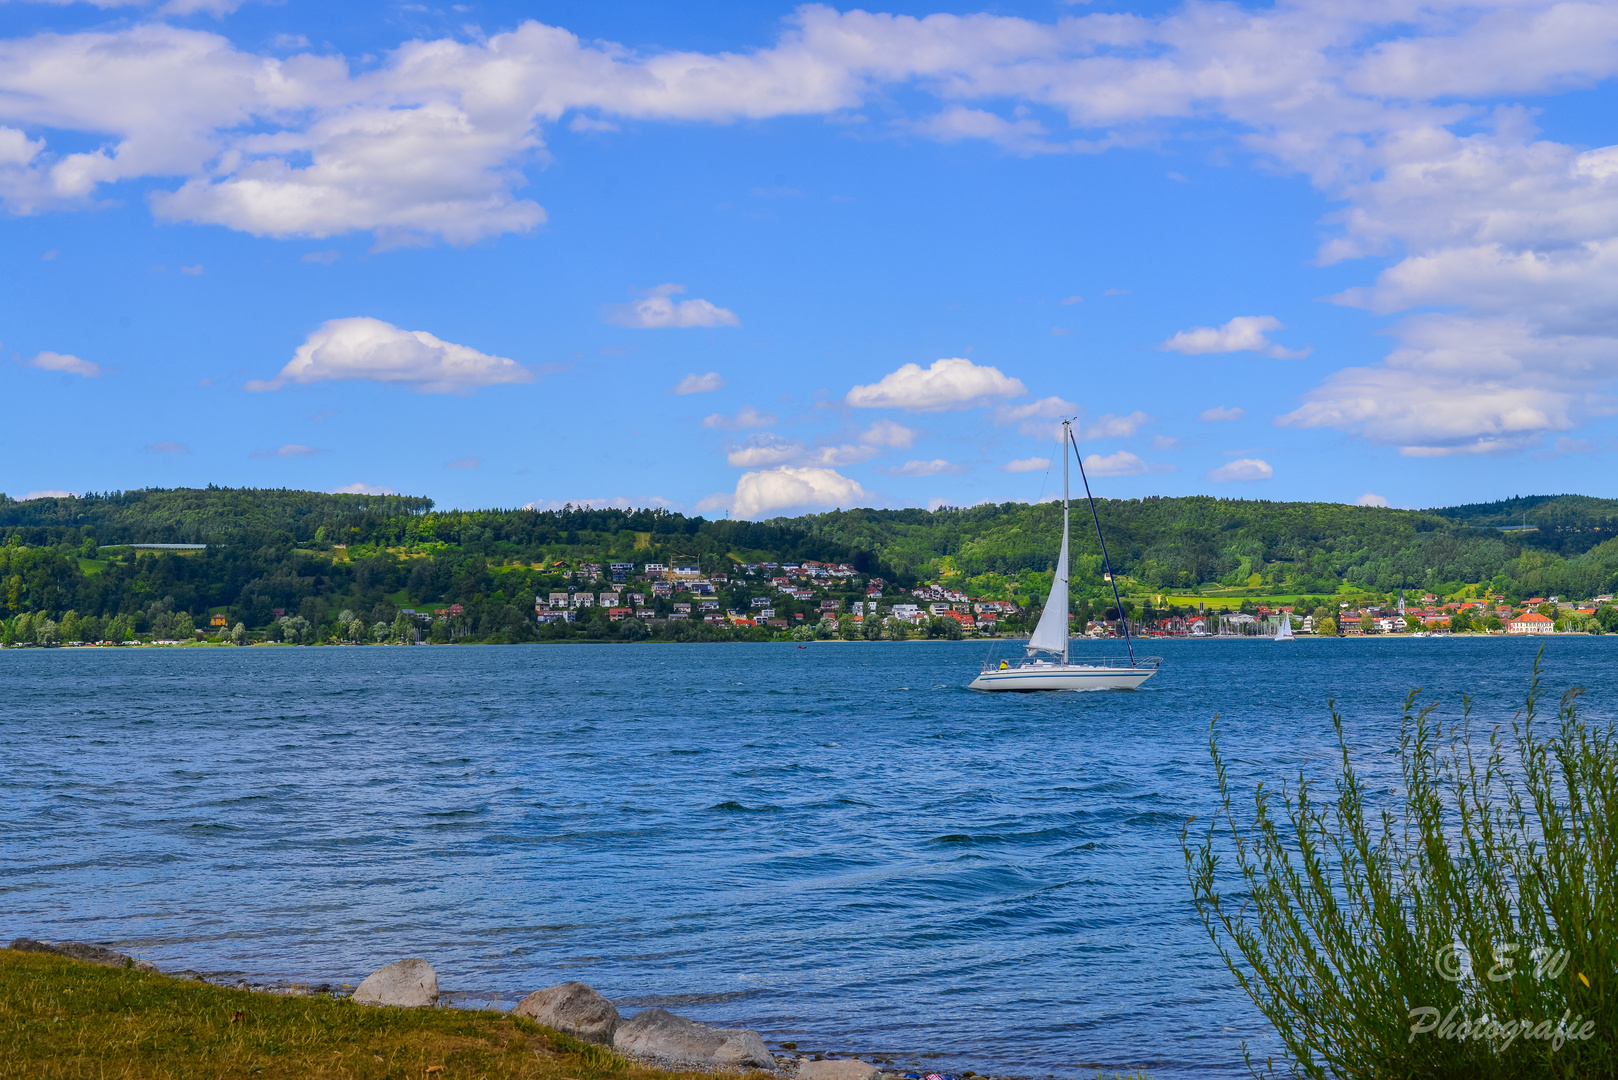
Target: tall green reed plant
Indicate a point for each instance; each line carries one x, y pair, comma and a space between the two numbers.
1460, 927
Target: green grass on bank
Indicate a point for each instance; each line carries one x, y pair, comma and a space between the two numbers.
66, 1018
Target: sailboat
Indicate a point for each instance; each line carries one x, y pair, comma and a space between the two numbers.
1284, 631
1050, 637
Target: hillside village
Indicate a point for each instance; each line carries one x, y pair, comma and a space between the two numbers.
826, 600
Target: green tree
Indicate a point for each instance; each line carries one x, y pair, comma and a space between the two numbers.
45, 632
8, 633
182, 626
71, 627
1367, 624
847, 628
379, 632
404, 628
803, 633
238, 634
1326, 627
630, 629
1413, 623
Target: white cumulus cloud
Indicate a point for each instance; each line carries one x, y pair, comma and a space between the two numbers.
1123, 463
1028, 464
746, 417
1108, 426
1036, 417
370, 349
1220, 413
290, 450
698, 384
362, 488
1241, 469
48, 493
947, 384
65, 362
762, 451
658, 311
1245, 333
1461, 385
759, 493
890, 434
935, 467
1368, 499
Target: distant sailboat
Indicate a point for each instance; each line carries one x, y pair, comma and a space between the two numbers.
1051, 635
1284, 632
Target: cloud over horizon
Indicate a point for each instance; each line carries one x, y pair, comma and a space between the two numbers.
698, 384
375, 351
63, 362
947, 384
786, 488
1245, 333
657, 311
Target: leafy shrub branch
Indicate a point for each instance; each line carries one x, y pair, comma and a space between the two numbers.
1461, 926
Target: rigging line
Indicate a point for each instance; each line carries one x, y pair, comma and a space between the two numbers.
1106, 564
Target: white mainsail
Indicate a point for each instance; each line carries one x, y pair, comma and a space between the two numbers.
1051, 633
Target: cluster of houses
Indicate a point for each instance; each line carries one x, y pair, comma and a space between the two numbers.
685, 592
1431, 614
690, 594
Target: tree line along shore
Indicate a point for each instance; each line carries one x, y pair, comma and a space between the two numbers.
243, 566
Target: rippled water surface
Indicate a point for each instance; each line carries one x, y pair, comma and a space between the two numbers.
837, 845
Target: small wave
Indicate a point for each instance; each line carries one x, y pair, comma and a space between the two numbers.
664, 1000
732, 806
1156, 817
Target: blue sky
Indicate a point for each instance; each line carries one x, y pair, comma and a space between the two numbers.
769, 260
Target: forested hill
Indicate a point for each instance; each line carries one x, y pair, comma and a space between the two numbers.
277, 549
1563, 523
211, 515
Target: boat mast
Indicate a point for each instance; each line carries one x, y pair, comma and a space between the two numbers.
1067, 634
1106, 564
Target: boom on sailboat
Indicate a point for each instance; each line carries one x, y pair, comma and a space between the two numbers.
1051, 637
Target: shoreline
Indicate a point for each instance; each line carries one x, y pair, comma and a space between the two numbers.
787, 1051
1299, 636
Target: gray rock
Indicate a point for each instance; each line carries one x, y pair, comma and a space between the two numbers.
410, 984
573, 1009
77, 950
658, 1033
840, 1069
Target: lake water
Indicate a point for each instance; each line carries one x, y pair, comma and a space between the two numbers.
836, 845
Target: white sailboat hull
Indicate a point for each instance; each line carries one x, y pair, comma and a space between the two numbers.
1040, 676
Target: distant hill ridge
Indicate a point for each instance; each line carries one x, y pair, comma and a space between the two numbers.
1160, 542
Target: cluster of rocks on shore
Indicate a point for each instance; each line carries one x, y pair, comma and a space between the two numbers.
652, 1036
